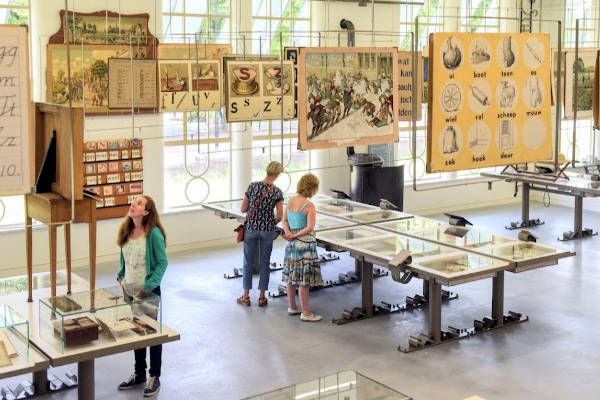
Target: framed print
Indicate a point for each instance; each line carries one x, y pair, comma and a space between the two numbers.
489, 100
127, 92
191, 51
585, 66
260, 90
347, 96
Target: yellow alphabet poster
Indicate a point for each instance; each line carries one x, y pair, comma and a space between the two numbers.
489, 100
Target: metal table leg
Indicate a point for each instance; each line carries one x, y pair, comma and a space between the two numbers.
578, 217
426, 288
525, 204
367, 288
85, 370
498, 298
40, 381
435, 311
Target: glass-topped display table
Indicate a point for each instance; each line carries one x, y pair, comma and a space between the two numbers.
103, 315
345, 385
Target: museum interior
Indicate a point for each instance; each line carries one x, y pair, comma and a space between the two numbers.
351, 199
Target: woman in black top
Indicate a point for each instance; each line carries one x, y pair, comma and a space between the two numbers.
260, 230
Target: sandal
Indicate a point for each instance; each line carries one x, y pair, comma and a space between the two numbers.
244, 301
262, 302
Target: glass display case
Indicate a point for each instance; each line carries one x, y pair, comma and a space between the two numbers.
350, 233
102, 315
14, 338
377, 215
344, 385
409, 225
520, 251
391, 245
325, 222
339, 207
456, 266
462, 236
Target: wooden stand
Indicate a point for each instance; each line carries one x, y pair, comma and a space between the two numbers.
53, 210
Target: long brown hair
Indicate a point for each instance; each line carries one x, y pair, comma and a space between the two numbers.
148, 222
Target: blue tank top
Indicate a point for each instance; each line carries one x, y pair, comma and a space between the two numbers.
297, 220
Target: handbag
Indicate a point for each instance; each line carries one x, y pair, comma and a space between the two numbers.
240, 229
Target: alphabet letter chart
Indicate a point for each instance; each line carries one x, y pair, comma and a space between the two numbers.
15, 123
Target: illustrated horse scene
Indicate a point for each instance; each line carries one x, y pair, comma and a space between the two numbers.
349, 95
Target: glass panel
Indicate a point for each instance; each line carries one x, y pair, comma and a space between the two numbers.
459, 263
219, 30
233, 205
14, 339
260, 27
173, 26
392, 245
219, 6
196, 25
172, 6
9, 317
376, 216
195, 6
300, 34
340, 207
343, 385
411, 224
259, 8
520, 251
463, 236
349, 234
12, 211
304, 11
276, 7
329, 222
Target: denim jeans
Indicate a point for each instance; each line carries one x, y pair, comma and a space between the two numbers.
261, 241
155, 356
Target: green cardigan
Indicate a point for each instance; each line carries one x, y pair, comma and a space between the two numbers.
156, 260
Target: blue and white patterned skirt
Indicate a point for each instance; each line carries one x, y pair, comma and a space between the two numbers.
301, 262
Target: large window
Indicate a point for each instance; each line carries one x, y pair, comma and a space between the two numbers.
480, 16
197, 159
14, 12
184, 19
279, 23
12, 211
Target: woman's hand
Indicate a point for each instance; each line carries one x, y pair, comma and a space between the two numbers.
289, 236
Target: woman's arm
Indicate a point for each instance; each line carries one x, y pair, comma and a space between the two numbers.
245, 202
279, 207
121, 273
160, 256
285, 224
311, 219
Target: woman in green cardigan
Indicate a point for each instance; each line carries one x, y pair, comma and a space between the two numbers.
143, 263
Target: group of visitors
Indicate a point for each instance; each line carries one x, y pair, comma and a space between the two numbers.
300, 264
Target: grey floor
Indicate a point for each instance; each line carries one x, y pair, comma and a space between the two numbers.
229, 352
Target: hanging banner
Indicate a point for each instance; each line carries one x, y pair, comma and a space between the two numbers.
489, 100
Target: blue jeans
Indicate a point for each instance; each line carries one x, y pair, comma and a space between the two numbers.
254, 241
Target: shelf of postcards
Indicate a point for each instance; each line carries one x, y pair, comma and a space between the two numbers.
103, 316
14, 339
113, 171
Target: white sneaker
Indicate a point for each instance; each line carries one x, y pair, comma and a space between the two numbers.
291, 311
310, 318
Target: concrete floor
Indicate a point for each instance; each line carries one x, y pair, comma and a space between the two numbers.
230, 352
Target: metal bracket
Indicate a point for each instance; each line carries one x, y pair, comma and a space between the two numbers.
570, 235
524, 224
384, 308
486, 324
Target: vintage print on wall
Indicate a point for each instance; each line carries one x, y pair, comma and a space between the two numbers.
489, 100
347, 97
238, 57
584, 65
107, 27
189, 85
89, 75
596, 93
120, 85
260, 90
174, 80
405, 82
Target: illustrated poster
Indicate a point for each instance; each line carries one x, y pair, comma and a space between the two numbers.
120, 85
260, 90
585, 65
489, 100
405, 82
347, 96
189, 85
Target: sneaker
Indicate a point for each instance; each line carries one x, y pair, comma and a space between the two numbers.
152, 387
310, 317
292, 311
132, 381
